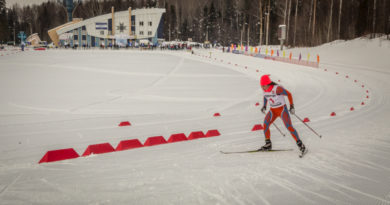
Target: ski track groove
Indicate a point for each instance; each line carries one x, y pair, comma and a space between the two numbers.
10, 185
307, 175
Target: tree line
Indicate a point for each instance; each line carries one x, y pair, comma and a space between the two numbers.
247, 22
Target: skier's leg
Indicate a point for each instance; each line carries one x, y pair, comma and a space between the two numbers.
287, 122
267, 124
268, 120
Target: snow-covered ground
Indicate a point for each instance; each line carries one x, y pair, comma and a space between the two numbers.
60, 99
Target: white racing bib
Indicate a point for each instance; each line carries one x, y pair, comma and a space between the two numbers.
273, 99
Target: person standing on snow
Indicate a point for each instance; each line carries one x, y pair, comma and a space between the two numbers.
274, 94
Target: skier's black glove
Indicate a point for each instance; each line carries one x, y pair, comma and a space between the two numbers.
292, 109
263, 109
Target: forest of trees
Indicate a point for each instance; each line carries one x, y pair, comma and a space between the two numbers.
253, 22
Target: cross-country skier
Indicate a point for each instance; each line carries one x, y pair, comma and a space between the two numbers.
274, 94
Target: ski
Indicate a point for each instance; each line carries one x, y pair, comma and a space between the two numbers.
302, 154
256, 150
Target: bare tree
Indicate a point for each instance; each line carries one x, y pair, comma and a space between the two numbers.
296, 21
268, 16
310, 15
374, 19
314, 21
330, 21
285, 12
288, 21
338, 30
261, 23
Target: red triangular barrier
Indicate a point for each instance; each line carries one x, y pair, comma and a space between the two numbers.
151, 141
352, 109
212, 133
98, 149
128, 144
257, 104
333, 114
306, 119
196, 135
362, 103
124, 123
217, 114
58, 155
177, 138
257, 127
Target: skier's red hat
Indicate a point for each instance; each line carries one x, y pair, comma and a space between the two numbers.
265, 80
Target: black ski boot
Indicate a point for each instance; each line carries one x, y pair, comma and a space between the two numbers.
302, 148
267, 146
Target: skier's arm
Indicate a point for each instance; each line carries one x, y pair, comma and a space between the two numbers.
282, 91
264, 108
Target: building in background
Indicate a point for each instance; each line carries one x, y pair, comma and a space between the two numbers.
115, 28
33, 39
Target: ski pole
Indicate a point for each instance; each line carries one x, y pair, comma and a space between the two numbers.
307, 125
284, 135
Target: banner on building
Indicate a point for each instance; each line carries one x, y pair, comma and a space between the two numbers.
101, 26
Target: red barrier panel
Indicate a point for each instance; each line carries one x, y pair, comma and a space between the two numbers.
98, 149
177, 138
333, 114
128, 144
217, 114
257, 127
257, 104
40, 49
352, 109
124, 123
362, 103
151, 141
196, 135
58, 155
306, 119
212, 133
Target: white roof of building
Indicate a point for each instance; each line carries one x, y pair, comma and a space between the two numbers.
105, 17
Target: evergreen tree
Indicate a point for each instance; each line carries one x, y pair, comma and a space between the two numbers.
3, 22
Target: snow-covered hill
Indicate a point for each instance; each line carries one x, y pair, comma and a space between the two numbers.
60, 99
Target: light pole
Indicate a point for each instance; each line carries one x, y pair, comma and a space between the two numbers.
14, 34
207, 33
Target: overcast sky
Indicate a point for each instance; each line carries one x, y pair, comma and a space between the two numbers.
24, 2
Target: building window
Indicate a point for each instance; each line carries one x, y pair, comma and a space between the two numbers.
83, 28
149, 33
132, 23
141, 33
75, 37
150, 23
84, 37
141, 23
